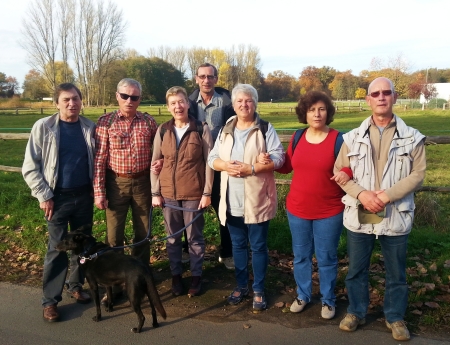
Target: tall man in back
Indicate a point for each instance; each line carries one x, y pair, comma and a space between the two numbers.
212, 105
387, 159
124, 140
58, 167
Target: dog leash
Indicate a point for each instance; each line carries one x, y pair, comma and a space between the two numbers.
147, 238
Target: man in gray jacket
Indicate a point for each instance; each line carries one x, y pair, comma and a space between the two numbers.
387, 159
58, 168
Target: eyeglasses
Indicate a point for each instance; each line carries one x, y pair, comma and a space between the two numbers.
125, 97
375, 94
203, 77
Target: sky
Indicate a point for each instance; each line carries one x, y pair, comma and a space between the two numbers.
290, 34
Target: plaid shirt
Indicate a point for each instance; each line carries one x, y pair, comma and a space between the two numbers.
122, 145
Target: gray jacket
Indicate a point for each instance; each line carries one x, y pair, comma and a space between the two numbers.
40, 165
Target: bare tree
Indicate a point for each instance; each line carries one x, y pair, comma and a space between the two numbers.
40, 40
65, 17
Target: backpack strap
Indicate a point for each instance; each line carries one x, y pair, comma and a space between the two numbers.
199, 124
298, 134
337, 144
264, 126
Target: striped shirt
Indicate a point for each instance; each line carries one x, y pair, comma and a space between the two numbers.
122, 145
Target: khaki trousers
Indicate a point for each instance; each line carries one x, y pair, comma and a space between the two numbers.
123, 193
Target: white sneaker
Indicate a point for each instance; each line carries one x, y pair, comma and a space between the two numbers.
298, 305
328, 311
185, 257
228, 262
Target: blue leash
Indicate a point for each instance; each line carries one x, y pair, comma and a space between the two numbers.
147, 238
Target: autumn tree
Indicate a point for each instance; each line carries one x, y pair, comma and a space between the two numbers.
344, 85
35, 86
309, 80
360, 93
278, 85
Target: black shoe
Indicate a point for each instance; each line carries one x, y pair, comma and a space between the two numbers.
177, 285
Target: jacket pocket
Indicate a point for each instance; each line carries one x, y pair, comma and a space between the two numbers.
357, 164
351, 220
400, 215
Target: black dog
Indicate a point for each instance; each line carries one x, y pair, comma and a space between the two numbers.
107, 267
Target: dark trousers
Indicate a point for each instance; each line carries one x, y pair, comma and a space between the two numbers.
77, 210
226, 248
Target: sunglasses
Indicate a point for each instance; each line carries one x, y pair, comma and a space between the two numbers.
209, 77
125, 97
375, 94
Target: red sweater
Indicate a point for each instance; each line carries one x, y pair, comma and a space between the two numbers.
312, 194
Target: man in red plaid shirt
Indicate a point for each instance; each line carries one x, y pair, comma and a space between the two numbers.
124, 140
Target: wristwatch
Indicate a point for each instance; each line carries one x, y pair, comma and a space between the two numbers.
253, 170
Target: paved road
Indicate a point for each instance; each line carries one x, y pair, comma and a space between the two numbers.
21, 323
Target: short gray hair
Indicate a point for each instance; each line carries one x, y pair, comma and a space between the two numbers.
130, 82
246, 89
376, 79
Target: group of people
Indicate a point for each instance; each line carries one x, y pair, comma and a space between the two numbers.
217, 150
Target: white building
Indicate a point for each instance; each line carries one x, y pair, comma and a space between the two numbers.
442, 91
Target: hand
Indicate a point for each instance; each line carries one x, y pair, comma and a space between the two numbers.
101, 203
383, 196
205, 201
156, 166
341, 178
371, 201
264, 158
47, 206
157, 201
233, 168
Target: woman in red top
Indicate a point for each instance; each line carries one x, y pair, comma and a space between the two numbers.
314, 206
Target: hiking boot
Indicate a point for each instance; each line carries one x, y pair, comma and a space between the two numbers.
228, 262
328, 311
196, 286
185, 258
50, 313
399, 330
350, 322
80, 296
298, 305
177, 285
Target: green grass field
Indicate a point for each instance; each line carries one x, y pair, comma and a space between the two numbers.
22, 222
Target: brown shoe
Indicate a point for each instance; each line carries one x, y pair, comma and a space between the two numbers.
80, 296
51, 313
196, 286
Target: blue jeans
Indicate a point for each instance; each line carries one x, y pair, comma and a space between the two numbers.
319, 236
76, 210
241, 234
359, 248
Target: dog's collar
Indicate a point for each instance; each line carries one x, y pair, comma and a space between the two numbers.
84, 255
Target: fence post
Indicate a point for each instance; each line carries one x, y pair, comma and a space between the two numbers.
17, 111
104, 111
159, 111
42, 111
